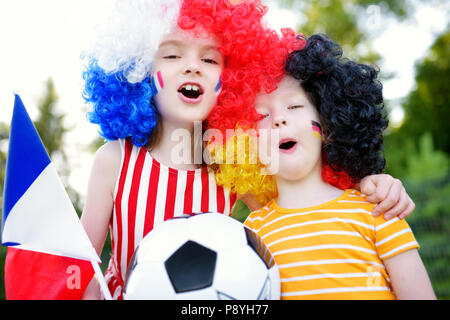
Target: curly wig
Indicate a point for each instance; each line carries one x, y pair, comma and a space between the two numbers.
349, 100
116, 75
117, 71
254, 55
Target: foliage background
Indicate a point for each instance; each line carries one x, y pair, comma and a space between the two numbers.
417, 149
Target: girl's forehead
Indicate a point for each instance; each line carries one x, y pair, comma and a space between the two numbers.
290, 85
288, 88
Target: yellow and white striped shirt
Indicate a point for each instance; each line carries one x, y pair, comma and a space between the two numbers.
334, 250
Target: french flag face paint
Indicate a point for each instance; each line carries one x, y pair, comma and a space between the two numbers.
317, 129
218, 88
158, 82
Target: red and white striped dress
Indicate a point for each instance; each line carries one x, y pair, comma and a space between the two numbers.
148, 193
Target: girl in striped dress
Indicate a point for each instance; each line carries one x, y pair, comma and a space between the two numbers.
160, 70
152, 79
325, 241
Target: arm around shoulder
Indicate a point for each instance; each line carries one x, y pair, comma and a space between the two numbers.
250, 201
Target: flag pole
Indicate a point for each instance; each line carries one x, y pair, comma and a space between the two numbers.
101, 280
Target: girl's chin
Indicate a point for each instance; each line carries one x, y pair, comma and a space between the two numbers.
293, 171
185, 115
290, 176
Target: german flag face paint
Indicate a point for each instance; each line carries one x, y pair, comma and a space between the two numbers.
317, 129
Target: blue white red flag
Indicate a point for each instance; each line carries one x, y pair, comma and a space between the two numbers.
51, 247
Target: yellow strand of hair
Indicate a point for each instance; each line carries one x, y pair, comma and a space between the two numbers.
237, 167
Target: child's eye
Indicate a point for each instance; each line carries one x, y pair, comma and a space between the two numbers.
172, 56
295, 107
211, 61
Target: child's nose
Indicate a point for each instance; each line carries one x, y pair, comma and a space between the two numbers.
192, 67
279, 121
192, 70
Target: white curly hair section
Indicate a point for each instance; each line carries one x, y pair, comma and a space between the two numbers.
128, 40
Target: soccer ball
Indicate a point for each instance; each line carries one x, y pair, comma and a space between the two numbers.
207, 256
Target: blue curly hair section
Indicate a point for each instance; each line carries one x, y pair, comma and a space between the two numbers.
120, 108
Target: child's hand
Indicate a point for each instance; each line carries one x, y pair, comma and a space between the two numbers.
389, 195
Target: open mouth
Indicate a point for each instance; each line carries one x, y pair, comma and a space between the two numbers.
288, 145
191, 91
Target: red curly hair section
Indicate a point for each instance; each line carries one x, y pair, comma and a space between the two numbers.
255, 58
254, 55
338, 178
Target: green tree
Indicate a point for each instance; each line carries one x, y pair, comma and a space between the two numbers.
427, 180
427, 108
419, 154
49, 123
345, 21
4, 134
51, 129
427, 164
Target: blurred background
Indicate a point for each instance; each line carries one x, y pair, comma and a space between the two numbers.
409, 40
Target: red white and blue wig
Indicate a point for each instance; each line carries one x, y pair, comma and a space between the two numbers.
117, 77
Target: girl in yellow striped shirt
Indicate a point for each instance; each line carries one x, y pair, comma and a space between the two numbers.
325, 241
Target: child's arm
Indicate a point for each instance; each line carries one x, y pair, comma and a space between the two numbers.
99, 202
389, 195
250, 201
409, 278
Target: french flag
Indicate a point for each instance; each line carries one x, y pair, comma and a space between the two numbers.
50, 255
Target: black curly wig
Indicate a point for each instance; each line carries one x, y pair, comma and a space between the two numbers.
349, 100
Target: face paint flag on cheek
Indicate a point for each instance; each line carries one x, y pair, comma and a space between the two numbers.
317, 129
218, 88
157, 82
